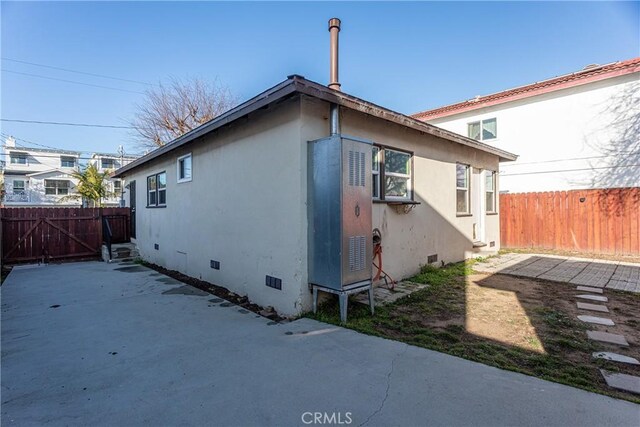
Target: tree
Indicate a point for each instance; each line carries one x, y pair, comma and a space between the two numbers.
92, 186
171, 111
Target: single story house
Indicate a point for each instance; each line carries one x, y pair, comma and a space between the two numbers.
231, 201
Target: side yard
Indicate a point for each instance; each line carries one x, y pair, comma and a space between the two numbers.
520, 324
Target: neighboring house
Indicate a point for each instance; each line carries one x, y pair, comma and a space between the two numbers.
241, 200
109, 162
39, 176
576, 131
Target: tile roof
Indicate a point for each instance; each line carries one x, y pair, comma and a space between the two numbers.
587, 75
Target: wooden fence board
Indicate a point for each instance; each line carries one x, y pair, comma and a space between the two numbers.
597, 221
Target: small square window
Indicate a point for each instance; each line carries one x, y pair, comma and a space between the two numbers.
184, 168
67, 162
108, 163
483, 130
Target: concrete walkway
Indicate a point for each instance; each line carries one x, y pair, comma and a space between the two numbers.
578, 271
102, 344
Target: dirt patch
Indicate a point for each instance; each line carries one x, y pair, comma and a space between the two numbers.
218, 291
520, 324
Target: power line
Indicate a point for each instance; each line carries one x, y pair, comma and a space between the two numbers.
28, 142
572, 170
77, 72
71, 81
50, 147
91, 125
569, 159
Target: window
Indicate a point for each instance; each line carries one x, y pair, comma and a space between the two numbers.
393, 168
463, 177
483, 130
117, 187
18, 158
157, 190
55, 187
375, 170
68, 162
490, 191
18, 187
108, 163
184, 168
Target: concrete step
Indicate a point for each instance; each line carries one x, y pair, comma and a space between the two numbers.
120, 251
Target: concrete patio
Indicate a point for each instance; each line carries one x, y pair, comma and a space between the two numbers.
108, 344
578, 271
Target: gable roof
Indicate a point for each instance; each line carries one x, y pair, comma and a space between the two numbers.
296, 84
588, 75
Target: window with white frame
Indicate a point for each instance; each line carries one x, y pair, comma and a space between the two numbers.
391, 172
184, 168
157, 190
375, 170
490, 191
18, 158
117, 187
67, 162
483, 130
107, 163
56, 187
18, 186
463, 184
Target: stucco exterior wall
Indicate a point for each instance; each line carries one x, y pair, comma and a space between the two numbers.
432, 227
246, 204
573, 138
245, 207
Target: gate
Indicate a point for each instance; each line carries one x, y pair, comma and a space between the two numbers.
46, 234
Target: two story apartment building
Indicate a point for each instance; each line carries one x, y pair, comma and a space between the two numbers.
44, 176
39, 176
575, 131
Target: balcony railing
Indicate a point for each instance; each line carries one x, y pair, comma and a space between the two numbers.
17, 198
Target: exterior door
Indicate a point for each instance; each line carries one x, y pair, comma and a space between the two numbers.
132, 203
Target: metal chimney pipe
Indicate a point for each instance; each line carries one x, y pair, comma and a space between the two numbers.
334, 29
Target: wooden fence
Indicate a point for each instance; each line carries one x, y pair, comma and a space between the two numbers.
597, 221
45, 234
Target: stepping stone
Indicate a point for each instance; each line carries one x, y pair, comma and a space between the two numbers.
608, 338
593, 298
597, 320
593, 307
589, 289
624, 382
615, 357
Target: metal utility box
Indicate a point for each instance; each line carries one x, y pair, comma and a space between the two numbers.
339, 204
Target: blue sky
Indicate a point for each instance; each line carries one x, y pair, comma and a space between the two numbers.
404, 56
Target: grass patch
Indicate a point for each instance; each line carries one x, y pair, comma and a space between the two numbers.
438, 318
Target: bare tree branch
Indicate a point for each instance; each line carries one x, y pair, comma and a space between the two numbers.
174, 109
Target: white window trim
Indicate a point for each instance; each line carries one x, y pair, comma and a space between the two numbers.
157, 191
382, 196
18, 155
57, 188
494, 177
181, 180
467, 189
481, 122
22, 190
376, 173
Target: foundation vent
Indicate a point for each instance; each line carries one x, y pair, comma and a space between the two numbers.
156, 246
432, 258
273, 282
492, 244
215, 264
